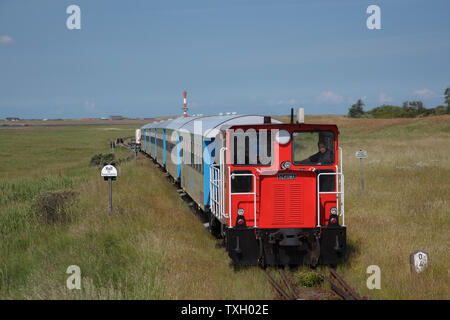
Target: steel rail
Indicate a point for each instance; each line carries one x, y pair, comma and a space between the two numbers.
277, 286
345, 284
288, 283
337, 290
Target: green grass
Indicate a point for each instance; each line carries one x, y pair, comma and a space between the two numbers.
404, 207
150, 247
153, 247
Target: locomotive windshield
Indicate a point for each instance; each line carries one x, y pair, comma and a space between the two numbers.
313, 148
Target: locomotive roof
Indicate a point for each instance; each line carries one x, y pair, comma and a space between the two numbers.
211, 124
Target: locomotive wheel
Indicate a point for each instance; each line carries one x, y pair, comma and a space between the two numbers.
214, 226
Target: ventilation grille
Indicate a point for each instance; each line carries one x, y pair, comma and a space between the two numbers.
287, 204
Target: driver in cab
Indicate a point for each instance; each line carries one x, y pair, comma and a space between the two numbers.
323, 157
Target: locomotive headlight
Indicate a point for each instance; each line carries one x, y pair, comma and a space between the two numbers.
286, 165
283, 136
333, 210
241, 211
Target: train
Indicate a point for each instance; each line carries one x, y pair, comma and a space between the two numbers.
273, 191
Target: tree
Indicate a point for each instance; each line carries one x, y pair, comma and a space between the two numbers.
440, 110
356, 110
412, 109
418, 106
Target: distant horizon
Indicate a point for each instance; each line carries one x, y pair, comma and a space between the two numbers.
154, 117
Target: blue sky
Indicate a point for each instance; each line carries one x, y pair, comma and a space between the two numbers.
135, 58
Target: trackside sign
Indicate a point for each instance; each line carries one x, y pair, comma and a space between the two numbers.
361, 154
109, 171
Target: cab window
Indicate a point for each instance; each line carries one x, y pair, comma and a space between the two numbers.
313, 148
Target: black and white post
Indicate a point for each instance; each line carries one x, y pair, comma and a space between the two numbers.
418, 261
135, 148
109, 173
361, 154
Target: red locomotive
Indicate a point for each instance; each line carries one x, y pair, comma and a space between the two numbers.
274, 191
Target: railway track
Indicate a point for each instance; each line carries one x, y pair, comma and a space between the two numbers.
340, 287
292, 288
289, 291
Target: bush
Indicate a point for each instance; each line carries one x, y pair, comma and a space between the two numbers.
388, 111
54, 206
440, 110
308, 279
102, 159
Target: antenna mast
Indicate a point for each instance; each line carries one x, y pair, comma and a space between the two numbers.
185, 105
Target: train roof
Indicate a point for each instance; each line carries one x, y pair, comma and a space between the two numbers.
179, 122
148, 125
162, 123
211, 124
174, 123
157, 124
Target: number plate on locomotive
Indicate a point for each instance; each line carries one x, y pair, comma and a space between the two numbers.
287, 176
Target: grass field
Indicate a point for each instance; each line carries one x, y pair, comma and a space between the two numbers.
153, 247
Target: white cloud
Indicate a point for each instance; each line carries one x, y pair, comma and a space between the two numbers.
330, 97
4, 40
282, 102
425, 93
384, 98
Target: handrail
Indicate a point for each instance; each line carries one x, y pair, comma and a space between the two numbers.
339, 191
222, 175
217, 187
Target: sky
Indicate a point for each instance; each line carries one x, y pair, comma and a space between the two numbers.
135, 58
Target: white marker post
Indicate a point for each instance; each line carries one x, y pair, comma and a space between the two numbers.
361, 154
418, 261
109, 172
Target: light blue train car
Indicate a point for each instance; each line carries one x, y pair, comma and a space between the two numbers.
173, 145
160, 141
